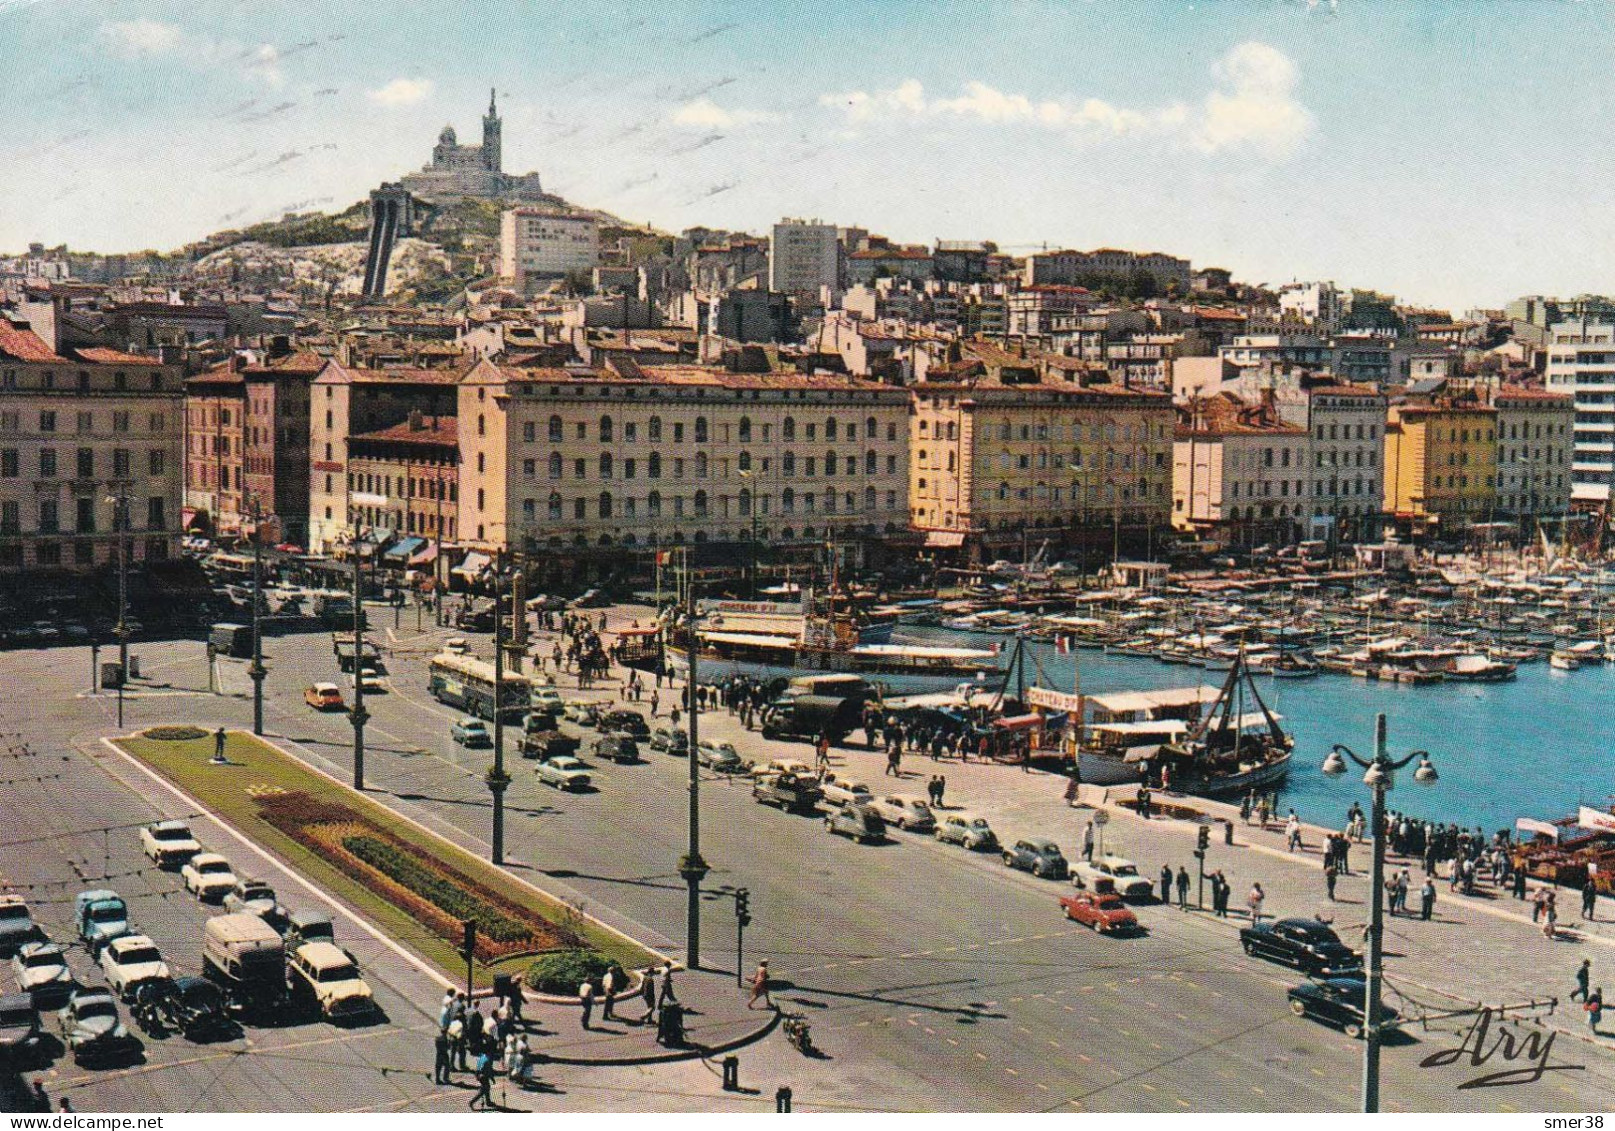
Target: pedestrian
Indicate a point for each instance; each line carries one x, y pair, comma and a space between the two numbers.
41, 1098
1245, 808
1087, 842
667, 994
1595, 1008
1073, 791
1550, 916
647, 993
1261, 813
441, 1064
1183, 888
1519, 886
941, 788
673, 715
474, 1025
64, 1104
586, 1000
1329, 877
1143, 801
484, 1094
1166, 883
656, 699
456, 1032
1427, 899
1539, 903
1589, 899
1220, 891
608, 983
1292, 831
1584, 974
446, 1013
759, 987
1254, 900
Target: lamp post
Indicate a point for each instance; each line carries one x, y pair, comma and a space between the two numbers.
257, 671
358, 716
692, 867
1380, 779
497, 779
120, 525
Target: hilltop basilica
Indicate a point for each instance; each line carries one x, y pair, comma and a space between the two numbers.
460, 172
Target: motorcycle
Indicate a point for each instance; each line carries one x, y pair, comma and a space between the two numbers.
799, 1034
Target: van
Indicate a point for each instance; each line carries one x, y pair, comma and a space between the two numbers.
233, 640
245, 955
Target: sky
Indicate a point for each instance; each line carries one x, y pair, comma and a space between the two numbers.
1452, 154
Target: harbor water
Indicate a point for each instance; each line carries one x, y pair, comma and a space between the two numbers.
1537, 746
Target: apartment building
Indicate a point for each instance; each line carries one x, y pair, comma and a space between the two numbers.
1240, 471
1535, 442
405, 479
84, 434
1107, 265
599, 462
543, 244
804, 257
1008, 452
1441, 463
1581, 363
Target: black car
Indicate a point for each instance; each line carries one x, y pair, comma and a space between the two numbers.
617, 748
631, 723
19, 1028
196, 1008
1307, 944
1337, 1002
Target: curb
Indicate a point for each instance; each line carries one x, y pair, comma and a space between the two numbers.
693, 1052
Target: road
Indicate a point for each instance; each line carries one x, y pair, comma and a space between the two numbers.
935, 979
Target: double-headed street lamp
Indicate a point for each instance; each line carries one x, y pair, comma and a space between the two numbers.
1380, 779
257, 671
120, 527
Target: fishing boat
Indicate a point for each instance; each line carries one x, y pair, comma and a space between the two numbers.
1124, 729
1294, 665
1564, 660
1230, 750
1475, 667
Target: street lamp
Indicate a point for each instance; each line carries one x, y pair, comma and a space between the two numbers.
120, 526
691, 865
755, 503
358, 716
1380, 779
257, 670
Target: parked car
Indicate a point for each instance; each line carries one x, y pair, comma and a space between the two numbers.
208, 876
844, 791
625, 722
1119, 873
1338, 1002
92, 1029
583, 714
254, 896
563, 773
1039, 856
131, 960
670, 741
325, 974
968, 831
42, 972
859, 822
1309, 945
789, 792
908, 813
783, 766
617, 748
1104, 911
100, 916
19, 1029
469, 732
324, 697
721, 757
169, 843
16, 924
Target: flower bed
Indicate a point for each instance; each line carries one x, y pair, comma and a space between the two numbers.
174, 733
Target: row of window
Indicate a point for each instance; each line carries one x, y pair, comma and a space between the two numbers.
607, 465
47, 380
1046, 431
606, 505
408, 487
48, 516
50, 553
84, 463
607, 431
10, 421
1344, 432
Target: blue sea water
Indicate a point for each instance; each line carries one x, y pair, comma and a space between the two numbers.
1537, 746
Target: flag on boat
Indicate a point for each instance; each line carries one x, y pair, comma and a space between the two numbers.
1062, 645
997, 647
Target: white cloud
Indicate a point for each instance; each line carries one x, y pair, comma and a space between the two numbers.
402, 92
1252, 106
706, 114
135, 38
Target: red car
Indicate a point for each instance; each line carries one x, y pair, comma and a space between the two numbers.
1103, 911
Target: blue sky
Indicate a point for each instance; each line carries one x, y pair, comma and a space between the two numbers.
1450, 153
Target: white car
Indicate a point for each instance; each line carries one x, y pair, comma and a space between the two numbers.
783, 766
564, 772
42, 971
968, 831
129, 961
1122, 874
548, 699
208, 875
845, 791
906, 813
168, 842
326, 974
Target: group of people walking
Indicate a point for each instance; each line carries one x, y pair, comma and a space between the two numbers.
488, 1045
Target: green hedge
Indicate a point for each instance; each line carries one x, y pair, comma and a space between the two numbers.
412, 874
565, 970
174, 733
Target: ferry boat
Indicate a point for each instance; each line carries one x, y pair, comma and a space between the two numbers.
747, 639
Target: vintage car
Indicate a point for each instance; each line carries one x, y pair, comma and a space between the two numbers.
1307, 944
1121, 874
1104, 911
1337, 1002
1039, 856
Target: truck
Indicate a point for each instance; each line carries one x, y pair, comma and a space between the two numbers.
809, 716
247, 958
232, 640
545, 744
795, 793
335, 610
342, 647
99, 917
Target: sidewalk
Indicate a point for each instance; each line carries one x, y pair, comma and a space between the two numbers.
716, 1021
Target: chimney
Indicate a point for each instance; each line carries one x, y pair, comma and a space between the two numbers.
280, 345
417, 422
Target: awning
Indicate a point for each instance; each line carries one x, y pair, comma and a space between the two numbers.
945, 538
424, 557
1020, 722
643, 630
473, 565
403, 549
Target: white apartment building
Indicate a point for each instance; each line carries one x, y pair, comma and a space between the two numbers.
1535, 428
538, 244
1581, 363
1239, 471
803, 257
1316, 304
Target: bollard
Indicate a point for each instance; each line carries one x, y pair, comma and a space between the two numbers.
731, 1073
782, 1100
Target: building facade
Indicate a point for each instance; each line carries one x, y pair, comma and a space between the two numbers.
804, 257
1535, 444
674, 455
1006, 456
1581, 363
406, 479
90, 447
215, 474
1106, 265
544, 244
458, 172
1240, 471
1441, 464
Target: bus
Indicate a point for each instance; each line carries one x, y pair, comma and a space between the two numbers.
467, 683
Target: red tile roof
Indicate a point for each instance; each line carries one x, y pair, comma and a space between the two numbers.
435, 430
20, 344
100, 355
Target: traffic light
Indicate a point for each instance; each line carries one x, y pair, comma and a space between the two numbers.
743, 906
468, 940
1203, 837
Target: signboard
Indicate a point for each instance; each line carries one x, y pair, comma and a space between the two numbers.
1532, 825
1053, 700
1589, 818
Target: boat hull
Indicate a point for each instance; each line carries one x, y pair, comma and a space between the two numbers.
894, 679
1097, 769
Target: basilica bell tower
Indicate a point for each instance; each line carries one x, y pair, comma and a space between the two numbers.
492, 158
